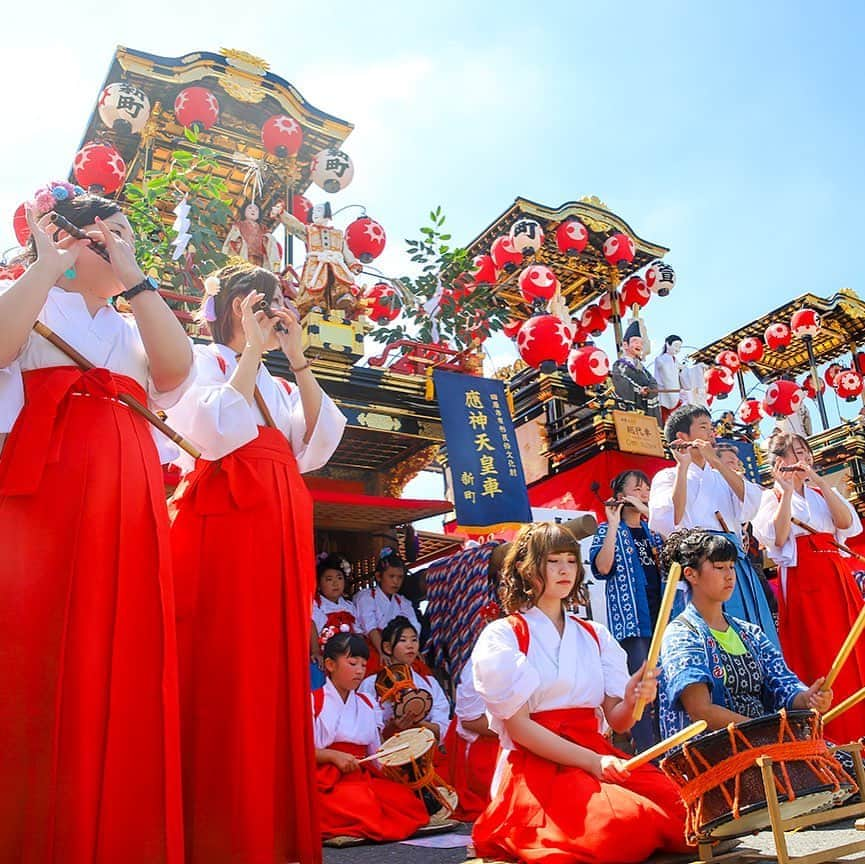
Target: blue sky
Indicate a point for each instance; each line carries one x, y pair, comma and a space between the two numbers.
730, 132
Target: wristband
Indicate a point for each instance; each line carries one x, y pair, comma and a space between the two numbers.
300, 368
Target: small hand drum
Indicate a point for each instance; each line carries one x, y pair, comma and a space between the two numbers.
395, 684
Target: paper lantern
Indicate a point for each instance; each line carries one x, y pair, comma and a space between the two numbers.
777, 336
281, 136
504, 256
99, 168
544, 339
572, 237
605, 304
730, 359
831, 373
365, 238
301, 208
719, 381
588, 366
196, 108
331, 170
538, 282
619, 249
484, 270
859, 362
20, 226
848, 384
750, 350
526, 236
382, 303
592, 320
511, 327
805, 323
665, 281
580, 336
634, 292
651, 275
124, 108
750, 412
808, 386
782, 398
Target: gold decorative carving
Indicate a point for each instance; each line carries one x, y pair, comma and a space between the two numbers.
245, 61
241, 89
384, 422
594, 201
408, 469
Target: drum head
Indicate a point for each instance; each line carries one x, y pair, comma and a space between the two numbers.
415, 703
410, 744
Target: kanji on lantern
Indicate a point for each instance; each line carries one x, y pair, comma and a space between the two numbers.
848, 384
124, 108
730, 359
196, 108
782, 398
750, 349
483, 270
777, 336
634, 292
593, 320
504, 256
805, 323
538, 282
526, 236
544, 339
331, 170
572, 237
99, 168
619, 249
719, 381
282, 136
663, 279
588, 366
365, 238
750, 412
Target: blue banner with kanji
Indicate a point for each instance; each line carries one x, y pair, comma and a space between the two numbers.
488, 482
747, 456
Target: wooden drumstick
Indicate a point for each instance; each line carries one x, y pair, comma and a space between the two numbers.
841, 707
722, 522
655, 646
665, 745
846, 649
381, 753
811, 530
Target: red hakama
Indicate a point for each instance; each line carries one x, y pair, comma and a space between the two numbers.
243, 553
549, 813
89, 737
816, 611
469, 767
364, 804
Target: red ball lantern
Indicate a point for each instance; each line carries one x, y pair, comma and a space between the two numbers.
634, 292
504, 256
782, 399
605, 304
859, 362
99, 168
580, 336
848, 384
365, 238
572, 237
729, 359
511, 327
808, 386
750, 350
592, 320
484, 272
538, 282
719, 381
382, 303
750, 412
831, 373
619, 249
651, 276
526, 236
282, 136
301, 208
777, 336
20, 226
588, 366
196, 107
805, 323
544, 339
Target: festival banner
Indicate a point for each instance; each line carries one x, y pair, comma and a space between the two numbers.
488, 482
747, 457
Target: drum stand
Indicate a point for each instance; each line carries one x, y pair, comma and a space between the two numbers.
781, 826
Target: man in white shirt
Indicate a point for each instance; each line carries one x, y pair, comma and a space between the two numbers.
704, 492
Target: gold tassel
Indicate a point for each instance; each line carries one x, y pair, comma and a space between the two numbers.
429, 386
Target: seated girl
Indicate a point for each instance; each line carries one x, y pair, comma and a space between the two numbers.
354, 800
716, 667
562, 793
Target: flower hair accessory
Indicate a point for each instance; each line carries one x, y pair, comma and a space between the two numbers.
490, 612
47, 197
327, 633
212, 287
386, 552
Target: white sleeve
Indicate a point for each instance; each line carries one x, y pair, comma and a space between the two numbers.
325, 438
441, 708
763, 524
503, 676
841, 534
750, 501
318, 616
11, 396
661, 502
614, 662
367, 619
5, 285
469, 705
406, 608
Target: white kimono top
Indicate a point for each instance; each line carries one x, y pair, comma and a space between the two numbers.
667, 375
441, 709
322, 607
469, 705
375, 609
707, 492
355, 721
107, 339
218, 419
811, 508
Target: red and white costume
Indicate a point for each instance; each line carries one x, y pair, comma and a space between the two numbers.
90, 756
440, 711
819, 599
375, 610
361, 803
542, 811
326, 613
243, 551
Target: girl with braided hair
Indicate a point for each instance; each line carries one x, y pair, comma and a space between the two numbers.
561, 792
716, 667
245, 562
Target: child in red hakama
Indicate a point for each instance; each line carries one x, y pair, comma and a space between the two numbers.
355, 801
561, 792
89, 726
243, 552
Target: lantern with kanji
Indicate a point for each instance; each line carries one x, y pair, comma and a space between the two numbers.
777, 336
504, 256
605, 304
544, 339
196, 108
365, 239
848, 384
538, 282
483, 270
572, 237
124, 108
526, 236
782, 398
665, 280
20, 226
99, 168
382, 303
831, 373
592, 320
808, 386
750, 350
730, 359
719, 381
331, 169
805, 323
750, 412
588, 366
634, 292
281, 136
619, 249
